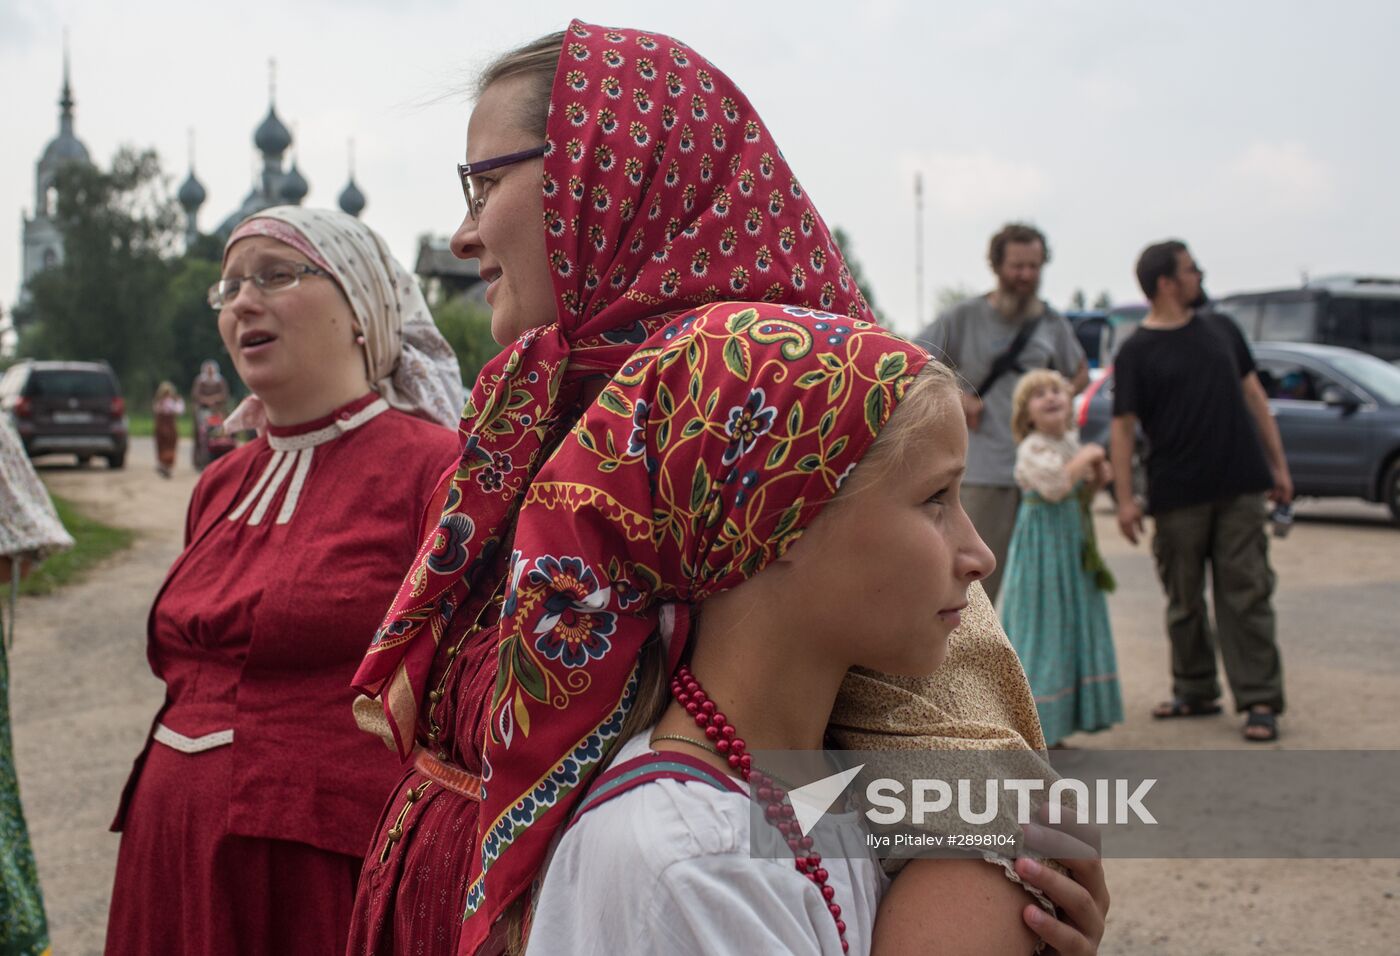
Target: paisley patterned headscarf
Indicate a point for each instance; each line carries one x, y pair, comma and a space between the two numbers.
662, 190
702, 461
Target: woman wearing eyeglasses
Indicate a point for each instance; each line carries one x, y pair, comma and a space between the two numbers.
594, 212
246, 817
614, 179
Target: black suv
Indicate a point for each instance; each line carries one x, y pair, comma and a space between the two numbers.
73, 408
1355, 312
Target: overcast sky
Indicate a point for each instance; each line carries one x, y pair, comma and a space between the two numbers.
1264, 134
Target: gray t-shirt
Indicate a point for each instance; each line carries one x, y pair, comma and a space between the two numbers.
969, 336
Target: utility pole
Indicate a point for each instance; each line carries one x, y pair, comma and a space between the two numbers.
918, 250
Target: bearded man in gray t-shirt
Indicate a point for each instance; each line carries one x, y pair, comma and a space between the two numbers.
970, 336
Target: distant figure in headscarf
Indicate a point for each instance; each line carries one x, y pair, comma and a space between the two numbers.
209, 394
167, 408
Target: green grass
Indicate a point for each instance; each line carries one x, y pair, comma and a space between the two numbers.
143, 425
94, 541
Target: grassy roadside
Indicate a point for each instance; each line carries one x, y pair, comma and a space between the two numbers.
143, 425
94, 541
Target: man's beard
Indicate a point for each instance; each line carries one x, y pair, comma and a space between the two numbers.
1018, 296
1200, 300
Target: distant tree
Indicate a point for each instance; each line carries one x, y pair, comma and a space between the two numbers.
1104, 302
21, 316
104, 300
193, 326
466, 325
1076, 301
947, 296
847, 248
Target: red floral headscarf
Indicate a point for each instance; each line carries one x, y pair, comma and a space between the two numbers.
702, 461
662, 190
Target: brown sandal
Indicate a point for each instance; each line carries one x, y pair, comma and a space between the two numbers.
1266, 719
1185, 707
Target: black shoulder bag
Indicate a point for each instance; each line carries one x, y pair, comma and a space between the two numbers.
1009, 360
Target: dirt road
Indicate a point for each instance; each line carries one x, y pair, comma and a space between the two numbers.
82, 699
1337, 626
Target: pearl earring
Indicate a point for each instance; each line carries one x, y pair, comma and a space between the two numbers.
359, 338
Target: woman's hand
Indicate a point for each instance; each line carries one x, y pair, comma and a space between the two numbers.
1081, 898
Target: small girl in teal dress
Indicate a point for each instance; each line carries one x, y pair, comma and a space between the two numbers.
1053, 606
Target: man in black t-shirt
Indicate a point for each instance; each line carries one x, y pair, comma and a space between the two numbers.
1188, 378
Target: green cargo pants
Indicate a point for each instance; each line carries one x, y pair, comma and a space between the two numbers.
1230, 536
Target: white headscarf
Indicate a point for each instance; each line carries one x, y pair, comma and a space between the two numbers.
407, 360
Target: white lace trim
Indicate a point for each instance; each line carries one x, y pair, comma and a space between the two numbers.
192, 745
292, 455
331, 432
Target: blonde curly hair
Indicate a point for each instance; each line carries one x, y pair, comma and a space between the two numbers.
1029, 384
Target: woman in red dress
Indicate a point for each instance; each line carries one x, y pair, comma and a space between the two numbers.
246, 818
615, 178
658, 187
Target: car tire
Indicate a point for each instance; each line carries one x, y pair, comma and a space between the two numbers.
117, 461
1390, 490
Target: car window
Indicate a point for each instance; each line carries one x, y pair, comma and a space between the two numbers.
64, 383
1291, 381
1379, 378
1283, 321
1090, 333
1122, 323
1384, 325
1343, 323
1245, 314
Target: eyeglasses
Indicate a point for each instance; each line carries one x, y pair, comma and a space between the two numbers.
276, 277
476, 201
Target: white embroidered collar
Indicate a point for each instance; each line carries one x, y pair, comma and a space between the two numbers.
330, 432
292, 454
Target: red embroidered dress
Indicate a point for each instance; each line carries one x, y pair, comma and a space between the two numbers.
662, 190
248, 813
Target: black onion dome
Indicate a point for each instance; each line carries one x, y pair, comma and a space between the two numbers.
293, 187
351, 199
191, 194
271, 137
65, 148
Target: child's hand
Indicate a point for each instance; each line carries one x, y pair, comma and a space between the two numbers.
1084, 466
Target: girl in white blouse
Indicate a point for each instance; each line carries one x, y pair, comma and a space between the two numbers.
1053, 607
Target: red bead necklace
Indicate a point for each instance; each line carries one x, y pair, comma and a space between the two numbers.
776, 810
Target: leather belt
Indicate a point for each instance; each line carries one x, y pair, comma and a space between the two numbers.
447, 776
